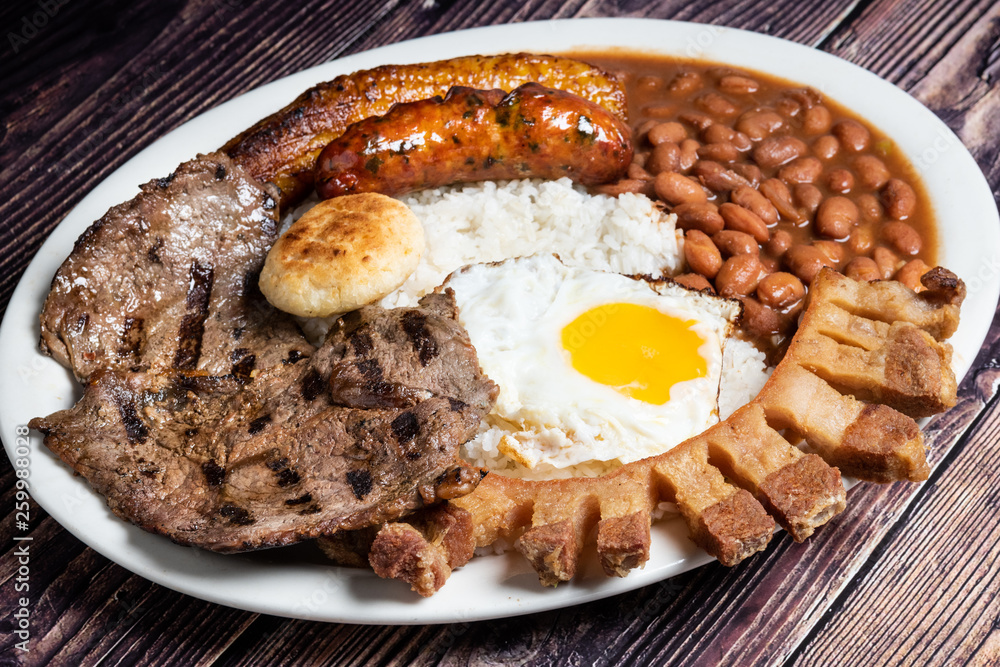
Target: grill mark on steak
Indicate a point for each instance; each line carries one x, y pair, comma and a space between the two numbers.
237, 515
188, 467
312, 386
405, 427
257, 425
153, 254
215, 474
361, 342
361, 483
415, 326
192, 327
301, 500
131, 338
124, 401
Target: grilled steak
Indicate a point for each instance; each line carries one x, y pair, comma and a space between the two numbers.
169, 280
364, 431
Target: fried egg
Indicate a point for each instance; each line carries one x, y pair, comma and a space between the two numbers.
592, 366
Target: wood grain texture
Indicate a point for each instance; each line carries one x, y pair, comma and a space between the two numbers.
98, 84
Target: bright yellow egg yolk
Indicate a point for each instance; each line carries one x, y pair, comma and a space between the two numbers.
638, 350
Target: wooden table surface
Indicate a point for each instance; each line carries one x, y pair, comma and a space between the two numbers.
907, 575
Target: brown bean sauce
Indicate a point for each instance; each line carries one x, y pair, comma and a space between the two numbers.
742, 155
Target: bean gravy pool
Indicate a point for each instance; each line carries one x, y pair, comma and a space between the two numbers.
710, 139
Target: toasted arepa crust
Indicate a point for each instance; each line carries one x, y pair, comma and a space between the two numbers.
341, 254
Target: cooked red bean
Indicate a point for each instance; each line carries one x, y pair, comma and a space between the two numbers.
801, 170
805, 261
754, 201
862, 268
886, 260
788, 108
836, 217
826, 147
780, 242
779, 290
703, 216
853, 136
719, 152
899, 199
694, 281
701, 254
637, 172
741, 220
750, 172
677, 189
685, 83
716, 105
862, 239
759, 123
739, 276
758, 319
870, 207
834, 251
872, 172
717, 133
776, 151
738, 85
671, 131
664, 157
840, 180
808, 196
777, 193
716, 177
817, 120
689, 153
806, 97
699, 121
901, 236
910, 274
730, 242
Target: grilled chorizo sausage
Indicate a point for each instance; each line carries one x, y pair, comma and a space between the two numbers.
476, 135
283, 147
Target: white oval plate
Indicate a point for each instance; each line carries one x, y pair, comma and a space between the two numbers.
493, 586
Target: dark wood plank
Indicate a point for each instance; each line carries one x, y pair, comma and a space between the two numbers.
808, 23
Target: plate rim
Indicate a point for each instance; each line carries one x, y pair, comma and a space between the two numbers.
390, 608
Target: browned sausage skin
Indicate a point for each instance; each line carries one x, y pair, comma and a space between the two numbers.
476, 135
283, 147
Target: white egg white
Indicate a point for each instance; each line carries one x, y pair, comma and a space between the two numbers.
548, 414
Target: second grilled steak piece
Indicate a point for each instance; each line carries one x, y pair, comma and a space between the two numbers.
169, 280
232, 465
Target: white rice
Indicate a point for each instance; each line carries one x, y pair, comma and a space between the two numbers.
489, 222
